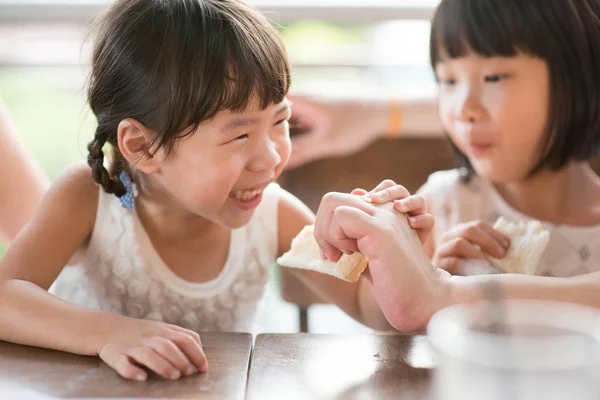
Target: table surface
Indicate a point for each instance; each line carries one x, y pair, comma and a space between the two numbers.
309, 366
32, 373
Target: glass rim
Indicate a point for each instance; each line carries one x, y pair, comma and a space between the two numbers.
450, 331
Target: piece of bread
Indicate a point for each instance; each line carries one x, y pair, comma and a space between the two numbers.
528, 240
305, 254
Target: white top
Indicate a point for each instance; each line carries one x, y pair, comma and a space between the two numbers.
572, 250
123, 273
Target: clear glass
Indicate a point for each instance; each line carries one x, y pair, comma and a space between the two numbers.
517, 350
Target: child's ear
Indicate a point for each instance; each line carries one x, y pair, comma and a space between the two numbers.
135, 141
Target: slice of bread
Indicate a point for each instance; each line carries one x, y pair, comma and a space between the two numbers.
305, 254
528, 240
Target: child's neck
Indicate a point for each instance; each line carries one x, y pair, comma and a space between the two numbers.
173, 225
181, 239
570, 196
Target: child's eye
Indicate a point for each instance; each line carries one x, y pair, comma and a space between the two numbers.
242, 137
495, 78
281, 121
447, 82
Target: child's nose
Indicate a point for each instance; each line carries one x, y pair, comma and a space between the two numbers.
267, 158
469, 108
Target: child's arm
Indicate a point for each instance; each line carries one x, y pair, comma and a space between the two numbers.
30, 315
581, 289
32, 263
355, 299
22, 184
411, 290
342, 127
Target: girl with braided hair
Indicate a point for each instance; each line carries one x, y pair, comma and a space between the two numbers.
176, 212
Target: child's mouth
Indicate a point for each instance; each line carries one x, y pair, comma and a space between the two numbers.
479, 150
246, 195
247, 199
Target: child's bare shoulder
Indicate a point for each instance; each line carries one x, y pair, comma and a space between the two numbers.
75, 191
77, 176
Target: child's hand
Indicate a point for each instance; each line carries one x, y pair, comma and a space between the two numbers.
412, 205
406, 286
331, 238
168, 350
469, 241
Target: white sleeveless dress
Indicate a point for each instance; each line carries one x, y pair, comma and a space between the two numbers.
123, 273
573, 250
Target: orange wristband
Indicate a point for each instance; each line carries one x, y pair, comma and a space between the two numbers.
395, 120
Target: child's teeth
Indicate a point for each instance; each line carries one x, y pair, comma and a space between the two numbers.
246, 194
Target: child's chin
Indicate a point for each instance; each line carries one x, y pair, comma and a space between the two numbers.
502, 177
491, 172
238, 221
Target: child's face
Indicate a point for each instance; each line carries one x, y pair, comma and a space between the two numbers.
495, 111
219, 172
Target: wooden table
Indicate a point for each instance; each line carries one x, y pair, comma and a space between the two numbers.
31, 373
309, 366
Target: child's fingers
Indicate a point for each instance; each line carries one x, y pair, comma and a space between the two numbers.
498, 236
387, 183
357, 224
192, 350
192, 334
422, 222
170, 352
477, 234
323, 220
392, 193
359, 192
347, 246
323, 255
155, 362
330, 252
339, 239
367, 275
125, 367
458, 247
412, 205
450, 264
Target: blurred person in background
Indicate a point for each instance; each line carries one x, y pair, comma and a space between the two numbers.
22, 183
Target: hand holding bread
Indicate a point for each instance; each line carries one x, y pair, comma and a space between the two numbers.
528, 242
334, 242
328, 249
506, 246
305, 254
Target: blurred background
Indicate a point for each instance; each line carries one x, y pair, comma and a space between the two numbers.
342, 48
347, 48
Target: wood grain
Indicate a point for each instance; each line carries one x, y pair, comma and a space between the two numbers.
309, 366
27, 372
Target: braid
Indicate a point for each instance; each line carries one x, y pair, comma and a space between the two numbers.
96, 162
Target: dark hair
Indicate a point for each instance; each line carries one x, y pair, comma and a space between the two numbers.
173, 64
563, 33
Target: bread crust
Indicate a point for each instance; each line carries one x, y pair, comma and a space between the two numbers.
305, 254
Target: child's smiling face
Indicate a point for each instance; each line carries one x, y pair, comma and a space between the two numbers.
219, 172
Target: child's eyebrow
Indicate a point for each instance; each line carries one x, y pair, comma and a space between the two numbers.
238, 123
284, 107
245, 121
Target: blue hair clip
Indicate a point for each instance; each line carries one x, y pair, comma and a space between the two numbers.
131, 191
